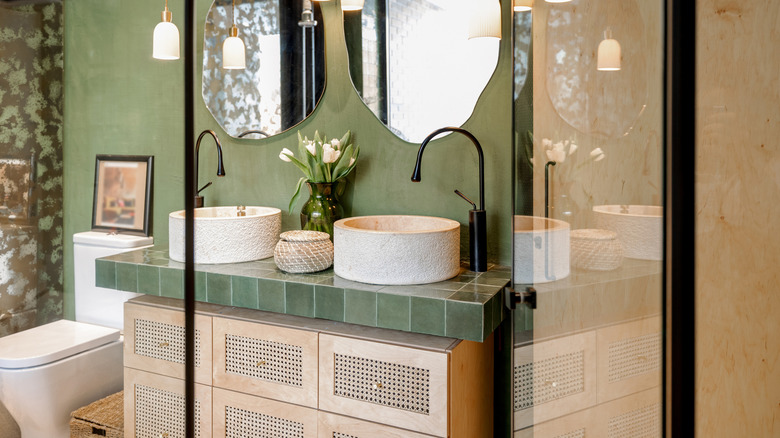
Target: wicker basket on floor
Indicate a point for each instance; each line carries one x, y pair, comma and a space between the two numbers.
103, 418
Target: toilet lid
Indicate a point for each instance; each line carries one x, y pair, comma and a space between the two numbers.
51, 342
103, 238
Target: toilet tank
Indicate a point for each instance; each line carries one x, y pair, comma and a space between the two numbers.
98, 305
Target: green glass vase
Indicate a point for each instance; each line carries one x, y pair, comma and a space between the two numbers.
322, 208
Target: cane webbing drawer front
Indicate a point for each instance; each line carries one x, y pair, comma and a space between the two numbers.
629, 358
154, 406
404, 387
154, 341
554, 378
338, 426
239, 415
266, 360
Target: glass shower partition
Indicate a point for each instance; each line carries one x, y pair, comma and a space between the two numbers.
587, 230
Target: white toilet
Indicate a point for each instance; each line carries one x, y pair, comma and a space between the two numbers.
48, 372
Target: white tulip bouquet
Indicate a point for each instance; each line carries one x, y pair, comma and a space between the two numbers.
321, 161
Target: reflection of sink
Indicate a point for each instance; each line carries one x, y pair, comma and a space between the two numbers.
396, 249
223, 237
541, 249
639, 228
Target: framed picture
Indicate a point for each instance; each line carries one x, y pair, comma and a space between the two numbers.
123, 192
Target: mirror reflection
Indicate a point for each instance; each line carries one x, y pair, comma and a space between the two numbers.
413, 64
285, 66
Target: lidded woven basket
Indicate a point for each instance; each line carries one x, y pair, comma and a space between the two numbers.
595, 250
302, 251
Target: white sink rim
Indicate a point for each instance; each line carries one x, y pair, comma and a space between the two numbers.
650, 211
542, 251
639, 228
221, 236
414, 249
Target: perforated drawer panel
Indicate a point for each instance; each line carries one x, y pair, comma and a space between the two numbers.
549, 379
384, 383
579, 433
161, 413
242, 423
163, 341
240, 415
634, 356
644, 422
343, 435
267, 360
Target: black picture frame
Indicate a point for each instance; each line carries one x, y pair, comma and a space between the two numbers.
122, 196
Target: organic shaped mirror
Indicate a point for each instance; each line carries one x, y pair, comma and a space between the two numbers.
285, 65
413, 64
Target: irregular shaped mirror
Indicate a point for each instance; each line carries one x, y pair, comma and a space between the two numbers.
413, 64
285, 65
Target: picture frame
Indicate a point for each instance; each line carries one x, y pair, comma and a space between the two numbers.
122, 197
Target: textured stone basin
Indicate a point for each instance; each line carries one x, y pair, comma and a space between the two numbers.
223, 237
541, 249
396, 249
639, 228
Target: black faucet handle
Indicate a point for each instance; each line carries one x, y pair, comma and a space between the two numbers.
473, 205
204, 187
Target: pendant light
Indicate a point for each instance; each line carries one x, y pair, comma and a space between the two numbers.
485, 20
523, 5
608, 53
233, 50
557, 1
166, 37
352, 5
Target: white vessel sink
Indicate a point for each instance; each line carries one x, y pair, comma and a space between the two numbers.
541, 250
221, 236
639, 228
396, 249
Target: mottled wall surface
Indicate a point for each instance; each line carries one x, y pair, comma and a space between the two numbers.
737, 211
31, 219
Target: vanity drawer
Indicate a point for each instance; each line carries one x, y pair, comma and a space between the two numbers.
401, 386
265, 360
243, 415
554, 378
629, 358
154, 341
338, 426
154, 406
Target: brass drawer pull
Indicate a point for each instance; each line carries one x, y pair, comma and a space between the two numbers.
550, 383
261, 363
162, 345
163, 435
641, 358
376, 385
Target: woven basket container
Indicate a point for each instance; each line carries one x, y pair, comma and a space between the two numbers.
103, 418
303, 251
595, 250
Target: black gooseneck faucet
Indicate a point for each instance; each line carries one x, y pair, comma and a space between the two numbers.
220, 166
477, 217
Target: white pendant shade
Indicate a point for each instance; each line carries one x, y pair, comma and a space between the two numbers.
485, 19
166, 39
523, 5
352, 5
233, 53
608, 53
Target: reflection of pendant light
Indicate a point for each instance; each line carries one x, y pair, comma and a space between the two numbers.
351, 5
233, 51
523, 5
166, 37
608, 53
485, 20
557, 1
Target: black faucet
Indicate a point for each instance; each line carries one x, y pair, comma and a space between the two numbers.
220, 166
477, 217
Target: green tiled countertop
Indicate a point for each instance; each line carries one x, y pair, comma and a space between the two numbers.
468, 306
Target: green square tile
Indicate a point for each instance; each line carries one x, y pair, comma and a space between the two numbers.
270, 295
127, 277
218, 289
105, 274
149, 280
200, 286
427, 316
299, 299
392, 311
464, 320
244, 292
329, 303
360, 307
172, 283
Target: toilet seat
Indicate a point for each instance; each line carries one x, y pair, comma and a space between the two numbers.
51, 342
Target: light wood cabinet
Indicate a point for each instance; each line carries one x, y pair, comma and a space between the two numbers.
238, 415
266, 360
154, 406
339, 426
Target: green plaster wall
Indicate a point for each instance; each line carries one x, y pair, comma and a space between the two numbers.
118, 100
